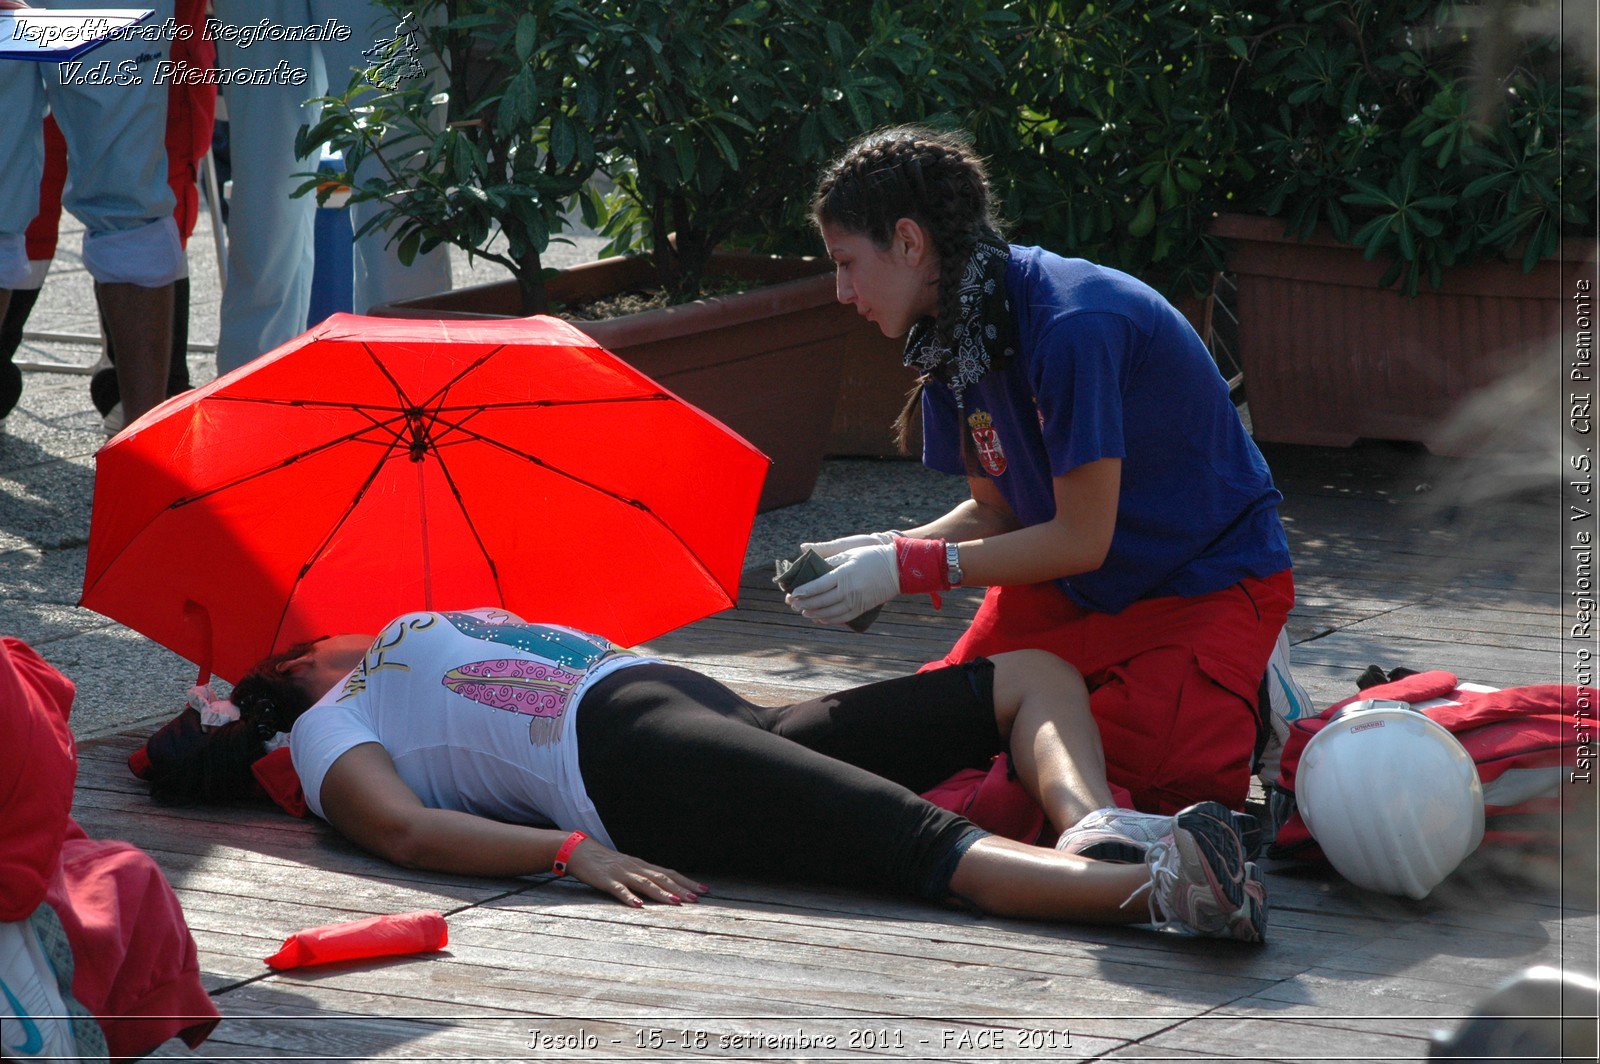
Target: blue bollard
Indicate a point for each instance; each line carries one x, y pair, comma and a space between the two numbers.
333, 276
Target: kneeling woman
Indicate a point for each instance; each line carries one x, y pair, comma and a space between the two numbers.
476, 743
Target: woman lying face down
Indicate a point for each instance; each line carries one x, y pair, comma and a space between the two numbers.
476, 743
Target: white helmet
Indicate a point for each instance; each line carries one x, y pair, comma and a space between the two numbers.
1391, 797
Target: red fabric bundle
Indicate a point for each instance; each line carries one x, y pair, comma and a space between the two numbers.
134, 961
995, 800
276, 775
376, 936
38, 766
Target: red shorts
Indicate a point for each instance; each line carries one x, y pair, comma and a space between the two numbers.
1173, 681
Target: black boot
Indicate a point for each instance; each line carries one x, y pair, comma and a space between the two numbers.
17, 311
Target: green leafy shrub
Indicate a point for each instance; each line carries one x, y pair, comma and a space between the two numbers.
1426, 133
493, 163
730, 113
710, 118
1114, 139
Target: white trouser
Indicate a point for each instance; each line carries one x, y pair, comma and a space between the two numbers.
116, 141
270, 232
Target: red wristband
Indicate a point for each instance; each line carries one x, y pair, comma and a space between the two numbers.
921, 564
565, 853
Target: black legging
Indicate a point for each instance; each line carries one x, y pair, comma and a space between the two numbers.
685, 773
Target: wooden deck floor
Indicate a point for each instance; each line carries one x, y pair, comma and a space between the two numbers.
551, 971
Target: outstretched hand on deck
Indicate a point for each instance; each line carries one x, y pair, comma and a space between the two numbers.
629, 879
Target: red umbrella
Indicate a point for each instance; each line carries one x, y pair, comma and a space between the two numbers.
374, 466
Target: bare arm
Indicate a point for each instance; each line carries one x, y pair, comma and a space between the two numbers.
1075, 541
368, 803
985, 514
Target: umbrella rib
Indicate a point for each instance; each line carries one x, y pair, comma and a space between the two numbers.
322, 547
405, 400
289, 461
453, 381
529, 404
321, 404
637, 504
494, 570
364, 409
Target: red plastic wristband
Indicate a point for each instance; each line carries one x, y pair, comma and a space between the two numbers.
565, 853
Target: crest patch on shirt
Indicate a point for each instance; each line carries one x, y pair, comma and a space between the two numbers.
990, 454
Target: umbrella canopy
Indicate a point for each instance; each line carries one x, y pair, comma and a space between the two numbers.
374, 466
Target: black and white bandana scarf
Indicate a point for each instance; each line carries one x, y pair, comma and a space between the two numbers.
984, 337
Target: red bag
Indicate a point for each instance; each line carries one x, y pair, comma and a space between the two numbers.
376, 936
995, 800
1520, 738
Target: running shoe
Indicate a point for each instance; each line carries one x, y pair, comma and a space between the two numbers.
1201, 883
1124, 835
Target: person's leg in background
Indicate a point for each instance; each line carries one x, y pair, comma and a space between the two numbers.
270, 248
191, 117
40, 242
380, 276
190, 113
117, 186
22, 146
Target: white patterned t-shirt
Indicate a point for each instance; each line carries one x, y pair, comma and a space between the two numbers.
476, 708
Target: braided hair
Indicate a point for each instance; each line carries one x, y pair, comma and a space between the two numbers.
218, 767
935, 179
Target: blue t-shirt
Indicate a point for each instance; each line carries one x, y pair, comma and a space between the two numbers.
1106, 368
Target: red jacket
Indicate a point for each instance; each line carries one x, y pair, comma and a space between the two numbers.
134, 961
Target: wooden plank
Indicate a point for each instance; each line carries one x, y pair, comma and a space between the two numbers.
1411, 1006
281, 844
1167, 962
1044, 958
365, 1024
473, 980
1231, 1037
1492, 665
1140, 1051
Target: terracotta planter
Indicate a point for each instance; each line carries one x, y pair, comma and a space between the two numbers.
1330, 358
872, 389
764, 362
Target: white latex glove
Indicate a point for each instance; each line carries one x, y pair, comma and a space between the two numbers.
862, 578
828, 548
